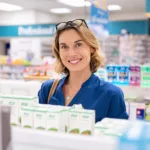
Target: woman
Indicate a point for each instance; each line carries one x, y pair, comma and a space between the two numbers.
78, 56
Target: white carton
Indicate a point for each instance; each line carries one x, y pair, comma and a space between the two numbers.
111, 127
134, 107
74, 120
87, 121
65, 118
11, 101
26, 101
39, 117
27, 117
53, 120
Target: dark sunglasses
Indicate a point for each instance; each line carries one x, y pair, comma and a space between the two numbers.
75, 23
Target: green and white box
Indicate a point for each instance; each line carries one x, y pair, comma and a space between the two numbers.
27, 117
111, 127
13, 103
53, 120
74, 121
99, 129
65, 118
87, 121
26, 101
39, 117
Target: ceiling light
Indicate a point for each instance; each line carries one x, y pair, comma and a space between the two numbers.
9, 7
60, 10
76, 3
114, 7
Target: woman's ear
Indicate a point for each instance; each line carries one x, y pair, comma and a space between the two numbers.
92, 50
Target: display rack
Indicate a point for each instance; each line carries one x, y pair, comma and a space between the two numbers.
28, 78
12, 72
24, 139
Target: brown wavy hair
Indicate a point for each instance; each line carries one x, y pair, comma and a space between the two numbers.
97, 57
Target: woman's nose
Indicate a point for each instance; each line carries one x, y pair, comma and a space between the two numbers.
71, 51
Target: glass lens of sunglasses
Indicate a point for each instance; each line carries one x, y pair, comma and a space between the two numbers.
77, 22
61, 26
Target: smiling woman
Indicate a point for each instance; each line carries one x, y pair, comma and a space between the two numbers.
78, 55
77, 33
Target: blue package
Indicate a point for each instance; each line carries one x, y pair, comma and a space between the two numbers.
137, 137
140, 114
123, 75
112, 74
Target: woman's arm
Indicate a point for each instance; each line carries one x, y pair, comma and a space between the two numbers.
117, 107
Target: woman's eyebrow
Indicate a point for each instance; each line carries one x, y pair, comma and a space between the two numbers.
78, 41
62, 44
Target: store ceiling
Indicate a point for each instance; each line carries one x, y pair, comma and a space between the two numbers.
45, 5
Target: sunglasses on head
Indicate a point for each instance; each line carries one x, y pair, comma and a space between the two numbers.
75, 23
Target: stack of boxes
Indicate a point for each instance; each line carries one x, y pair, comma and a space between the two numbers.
138, 108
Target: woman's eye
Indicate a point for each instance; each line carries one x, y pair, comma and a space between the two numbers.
78, 44
63, 47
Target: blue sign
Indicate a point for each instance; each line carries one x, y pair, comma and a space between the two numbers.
27, 30
99, 20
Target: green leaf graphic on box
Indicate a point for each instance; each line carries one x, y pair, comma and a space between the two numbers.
75, 131
52, 129
27, 126
86, 132
40, 128
14, 124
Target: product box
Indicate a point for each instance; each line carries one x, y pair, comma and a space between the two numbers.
39, 117
135, 75
53, 120
111, 127
11, 101
137, 111
147, 109
137, 137
87, 121
145, 76
102, 74
27, 117
123, 75
74, 121
65, 118
112, 74
25, 101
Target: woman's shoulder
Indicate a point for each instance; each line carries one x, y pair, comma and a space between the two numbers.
109, 87
48, 83
44, 91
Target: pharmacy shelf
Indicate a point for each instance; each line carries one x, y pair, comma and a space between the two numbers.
27, 139
37, 78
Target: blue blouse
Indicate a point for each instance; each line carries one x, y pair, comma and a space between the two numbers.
106, 99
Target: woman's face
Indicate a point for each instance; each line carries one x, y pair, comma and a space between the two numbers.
75, 54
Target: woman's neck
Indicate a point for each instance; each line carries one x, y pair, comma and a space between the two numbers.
78, 78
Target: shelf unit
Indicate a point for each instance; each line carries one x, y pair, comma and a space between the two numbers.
27, 139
